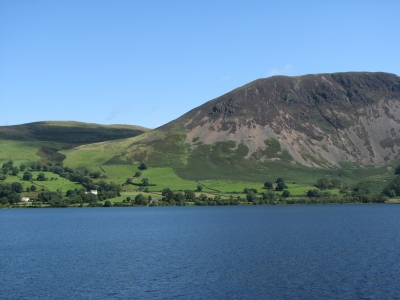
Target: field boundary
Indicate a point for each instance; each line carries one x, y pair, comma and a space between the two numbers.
195, 181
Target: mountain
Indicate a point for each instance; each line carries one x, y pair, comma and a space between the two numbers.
318, 121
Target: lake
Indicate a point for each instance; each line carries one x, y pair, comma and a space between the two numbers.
224, 252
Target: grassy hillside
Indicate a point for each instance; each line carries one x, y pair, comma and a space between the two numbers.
42, 141
68, 133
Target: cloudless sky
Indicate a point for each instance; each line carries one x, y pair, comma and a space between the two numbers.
148, 62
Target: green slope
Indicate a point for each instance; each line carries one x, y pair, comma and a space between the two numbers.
42, 141
68, 133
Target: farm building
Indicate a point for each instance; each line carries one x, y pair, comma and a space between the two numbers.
94, 192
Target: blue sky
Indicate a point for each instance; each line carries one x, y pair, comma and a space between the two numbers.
148, 62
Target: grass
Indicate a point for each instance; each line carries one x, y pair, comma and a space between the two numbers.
58, 183
166, 178
19, 151
79, 159
231, 186
300, 189
22, 142
162, 177
69, 133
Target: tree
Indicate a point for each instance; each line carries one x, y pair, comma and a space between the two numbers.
58, 170
313, 193
32, 188
268, 185
251, 196
17, 187
128, 180
138, 174
14, 197
285, 194
107, 203
280, 186
3, 177
27, 176
41, 177
95, 175
388, 192
397, 170
140, 200
199, 188
14, 171
7, 166
394, 185
22, 167
203, 197
54, 199
269, 196
279, 180
190, 195
179, 198
167, 194
145, 181
246, 190
324, 183
142, 166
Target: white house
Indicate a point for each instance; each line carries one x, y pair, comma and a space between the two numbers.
94, 192
25, 199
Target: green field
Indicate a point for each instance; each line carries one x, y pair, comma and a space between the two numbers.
19, 151
166, 178
85, 158
58, 183
161, 177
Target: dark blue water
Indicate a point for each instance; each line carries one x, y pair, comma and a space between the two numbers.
252, 252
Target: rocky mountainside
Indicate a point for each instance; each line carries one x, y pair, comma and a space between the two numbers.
315, 120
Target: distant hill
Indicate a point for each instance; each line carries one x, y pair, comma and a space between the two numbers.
68, 132
42, 140
318, 121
